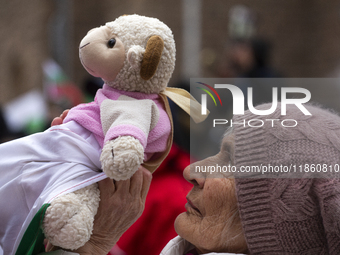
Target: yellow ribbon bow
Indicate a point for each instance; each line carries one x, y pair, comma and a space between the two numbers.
187, 102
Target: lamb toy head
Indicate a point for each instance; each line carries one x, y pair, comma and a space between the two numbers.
132, 53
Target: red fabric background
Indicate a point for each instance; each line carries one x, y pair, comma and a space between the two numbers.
165, 200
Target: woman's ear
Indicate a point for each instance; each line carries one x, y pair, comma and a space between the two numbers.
135, 56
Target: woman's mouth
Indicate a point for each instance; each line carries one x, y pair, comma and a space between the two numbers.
191, 208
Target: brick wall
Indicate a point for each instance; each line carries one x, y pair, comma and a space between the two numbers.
305, 35
23, 45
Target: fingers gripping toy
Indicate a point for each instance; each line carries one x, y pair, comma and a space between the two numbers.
52, 183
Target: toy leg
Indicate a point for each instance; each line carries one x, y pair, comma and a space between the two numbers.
68, 221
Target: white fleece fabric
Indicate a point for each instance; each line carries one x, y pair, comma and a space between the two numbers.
38, 168
180, 246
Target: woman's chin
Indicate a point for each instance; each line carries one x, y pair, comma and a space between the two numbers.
178, 223
186, 225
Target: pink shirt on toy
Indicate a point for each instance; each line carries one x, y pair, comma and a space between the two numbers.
117, 113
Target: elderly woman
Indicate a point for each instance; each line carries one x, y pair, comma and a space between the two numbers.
256, 213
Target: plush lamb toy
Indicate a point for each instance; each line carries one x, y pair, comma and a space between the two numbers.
53, 174
135, 56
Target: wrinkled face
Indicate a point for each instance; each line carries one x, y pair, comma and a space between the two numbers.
102, 53
212, 222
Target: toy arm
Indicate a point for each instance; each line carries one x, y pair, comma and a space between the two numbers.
126, 124
128, 116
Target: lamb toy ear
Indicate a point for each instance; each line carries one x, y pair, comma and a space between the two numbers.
135, 56
146, 59
152, 56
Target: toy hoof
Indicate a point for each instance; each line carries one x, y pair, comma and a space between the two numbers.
121, 157
68, 221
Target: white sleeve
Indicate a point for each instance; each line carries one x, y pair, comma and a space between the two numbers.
137, 114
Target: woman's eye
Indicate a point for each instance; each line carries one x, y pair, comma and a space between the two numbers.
111, 43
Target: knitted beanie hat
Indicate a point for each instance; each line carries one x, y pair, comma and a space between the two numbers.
297, 214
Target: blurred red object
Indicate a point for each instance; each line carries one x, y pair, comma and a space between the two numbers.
65, 93
165, 200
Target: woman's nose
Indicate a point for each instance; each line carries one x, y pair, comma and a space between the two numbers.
197, 179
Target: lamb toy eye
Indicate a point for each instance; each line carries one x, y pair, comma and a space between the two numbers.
111, 43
